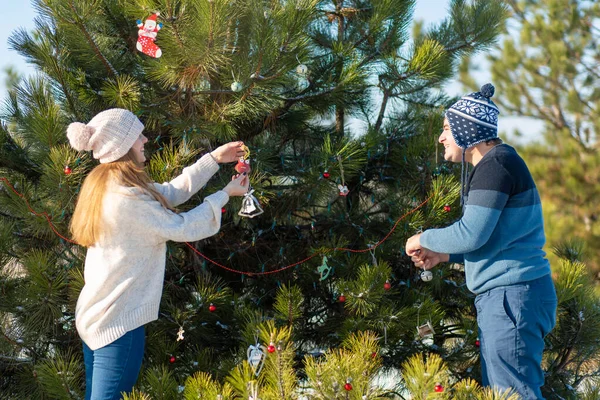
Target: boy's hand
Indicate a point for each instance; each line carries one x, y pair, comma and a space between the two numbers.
427, 259
413, 245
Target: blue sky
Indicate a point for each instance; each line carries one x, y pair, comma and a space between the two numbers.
20, 13
17, 14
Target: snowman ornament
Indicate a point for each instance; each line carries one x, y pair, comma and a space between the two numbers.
147, 35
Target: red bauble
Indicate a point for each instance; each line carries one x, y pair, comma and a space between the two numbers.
212, 307
172, 359
223, 210
342, 299
439, 388
326, 175
68, 170
477, 343
348, 386
242, 166
387, 285
447, 208
271, 348
373, 354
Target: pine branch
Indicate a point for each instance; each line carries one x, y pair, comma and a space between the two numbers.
280, 382
583, 378
79, 23
339, 110
556, 115
567, 350
175, 27
520, 13
562, 86
70, 101
525, 93
210, 39
260, 126
384, 102
16, 359
124, 33
15, 344
578, 93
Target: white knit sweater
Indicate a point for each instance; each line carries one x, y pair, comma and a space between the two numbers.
124, 271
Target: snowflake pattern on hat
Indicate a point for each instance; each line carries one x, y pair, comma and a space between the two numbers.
474, 118
479, 110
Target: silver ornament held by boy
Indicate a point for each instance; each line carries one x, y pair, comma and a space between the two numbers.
426, 276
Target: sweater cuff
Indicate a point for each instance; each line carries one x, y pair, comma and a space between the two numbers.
213, 157
219, 198
206, 163
457, 258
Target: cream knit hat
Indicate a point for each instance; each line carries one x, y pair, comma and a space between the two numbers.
110, 134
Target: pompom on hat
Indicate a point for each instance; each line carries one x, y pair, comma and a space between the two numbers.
110, 134
474, 118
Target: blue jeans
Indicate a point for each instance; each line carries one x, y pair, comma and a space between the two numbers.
513, 321
114, 368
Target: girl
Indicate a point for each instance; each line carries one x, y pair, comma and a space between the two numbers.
125, 221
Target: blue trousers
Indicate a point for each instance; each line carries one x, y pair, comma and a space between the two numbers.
114, 368
513, 321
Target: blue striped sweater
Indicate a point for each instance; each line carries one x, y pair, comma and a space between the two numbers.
501, 232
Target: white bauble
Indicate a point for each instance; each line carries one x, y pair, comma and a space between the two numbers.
302, 69
426, 276
236, 86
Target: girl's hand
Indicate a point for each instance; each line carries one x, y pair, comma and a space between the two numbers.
229, 152
238, 185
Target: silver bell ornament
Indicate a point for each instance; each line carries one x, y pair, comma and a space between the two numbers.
250, 206
426, 276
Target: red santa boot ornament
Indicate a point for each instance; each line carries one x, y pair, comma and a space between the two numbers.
147, 35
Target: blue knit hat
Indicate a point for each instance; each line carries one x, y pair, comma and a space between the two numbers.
474, 118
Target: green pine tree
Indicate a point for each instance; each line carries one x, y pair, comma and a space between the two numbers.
332, 93
347, 373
